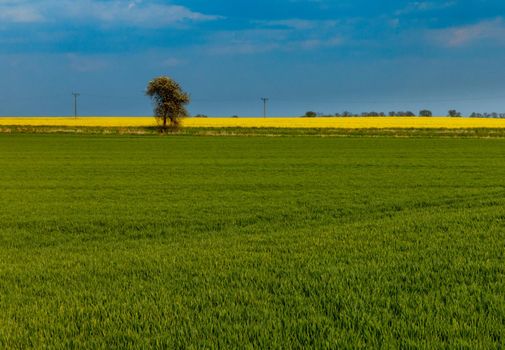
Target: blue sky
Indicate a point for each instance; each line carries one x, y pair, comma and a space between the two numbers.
321, 55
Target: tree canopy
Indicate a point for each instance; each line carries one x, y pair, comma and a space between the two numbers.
169, 101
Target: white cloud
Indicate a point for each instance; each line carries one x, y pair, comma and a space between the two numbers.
247, 41
299, 24
394, 22
131, 13
292, 34
421, 6
14, 12
134, 13
86, 64
319, 43
266, 40
485, 31
171, 62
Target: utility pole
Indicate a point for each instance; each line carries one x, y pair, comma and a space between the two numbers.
75, 94
265, 100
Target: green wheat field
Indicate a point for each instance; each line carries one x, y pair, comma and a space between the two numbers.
134, 242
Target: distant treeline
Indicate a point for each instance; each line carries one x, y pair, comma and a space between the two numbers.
422, 113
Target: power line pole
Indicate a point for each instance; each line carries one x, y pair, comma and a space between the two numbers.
265, 100
75, 94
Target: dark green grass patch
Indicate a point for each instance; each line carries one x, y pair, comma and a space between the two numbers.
258, 131
291, 242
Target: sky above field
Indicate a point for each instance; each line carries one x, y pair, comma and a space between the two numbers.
321, 55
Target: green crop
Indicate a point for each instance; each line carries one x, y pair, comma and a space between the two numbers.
242, 242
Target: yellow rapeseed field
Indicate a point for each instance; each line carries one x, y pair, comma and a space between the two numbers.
345, 123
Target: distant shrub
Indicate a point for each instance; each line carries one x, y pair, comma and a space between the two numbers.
200, 116
310, 114
453, 113
371, 114
487, 115
402, 114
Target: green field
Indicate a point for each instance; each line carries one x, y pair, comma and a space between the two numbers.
266, 242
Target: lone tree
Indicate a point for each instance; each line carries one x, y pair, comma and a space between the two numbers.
169, 102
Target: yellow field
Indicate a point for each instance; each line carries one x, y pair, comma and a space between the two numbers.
345, 123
